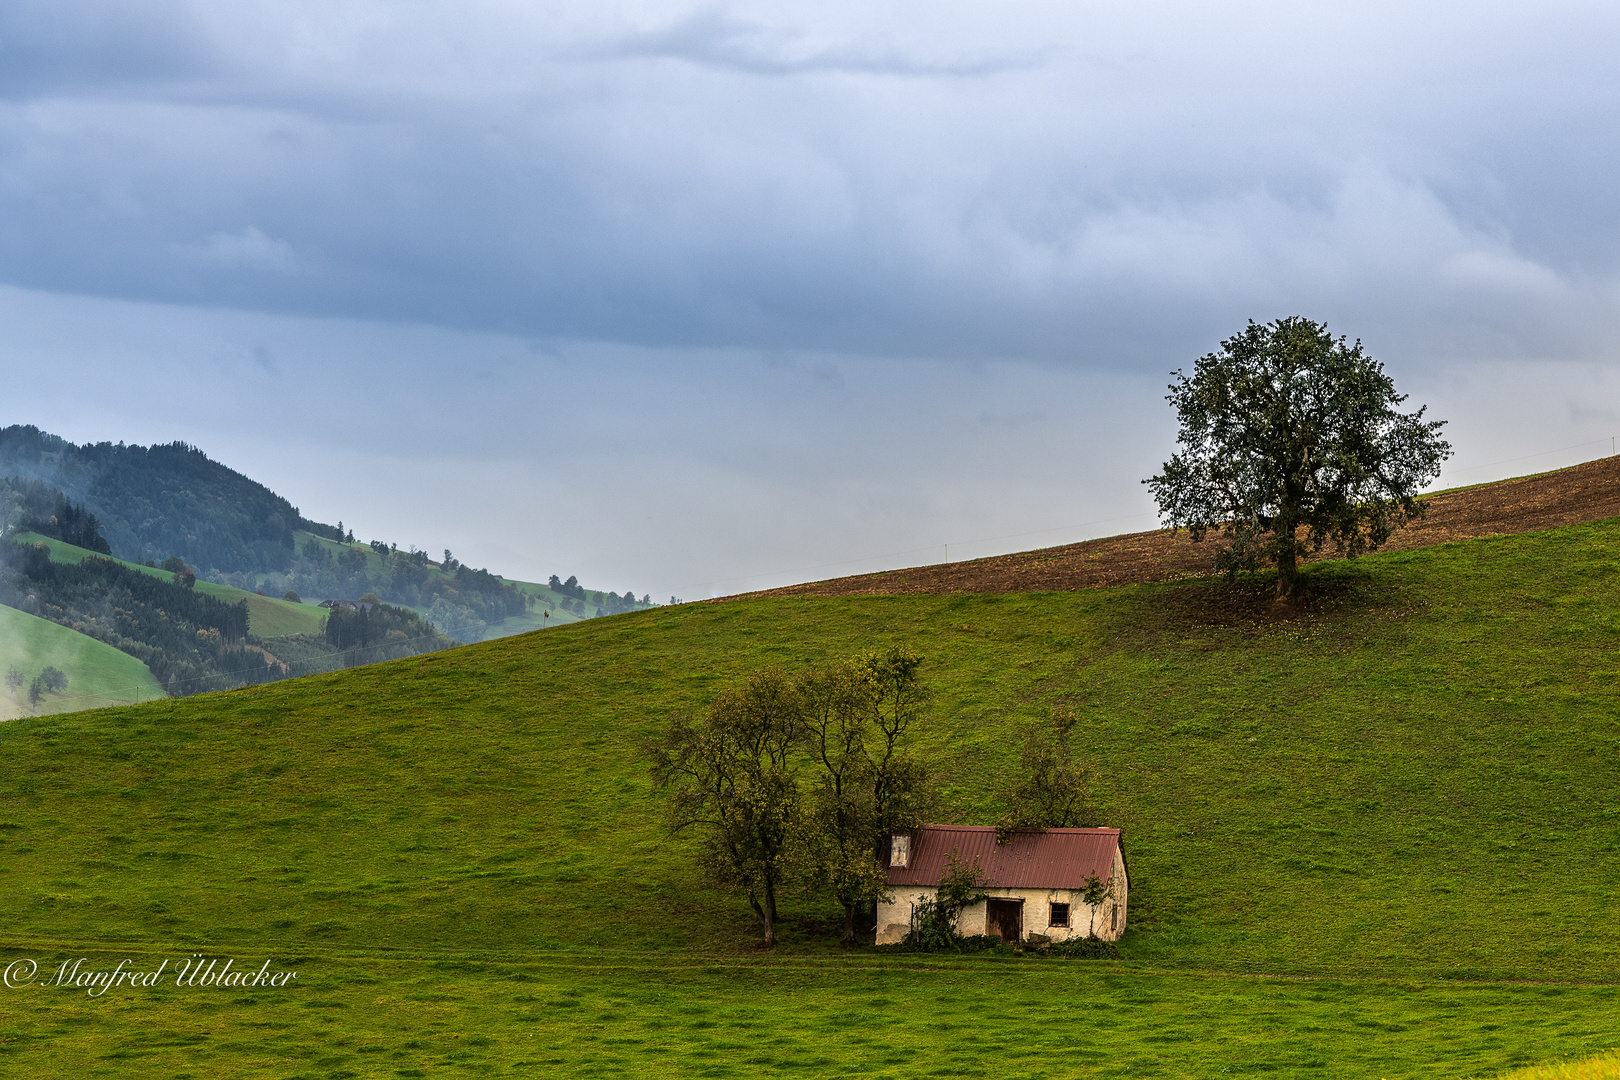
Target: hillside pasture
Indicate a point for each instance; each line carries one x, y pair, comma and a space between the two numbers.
98, 675
1362, 839
268, 616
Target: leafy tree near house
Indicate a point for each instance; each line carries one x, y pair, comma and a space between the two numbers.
842, 818
1291, 439
732, 776
1052, 789
859, 719
896, 701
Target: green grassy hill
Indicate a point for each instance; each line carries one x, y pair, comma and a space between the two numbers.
1400, 803
98, 674
267, 616
538, 619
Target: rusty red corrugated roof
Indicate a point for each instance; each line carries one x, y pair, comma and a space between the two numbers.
1044, 859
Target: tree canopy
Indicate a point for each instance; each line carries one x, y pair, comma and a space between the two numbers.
734, 775
1052, 788
1291, 439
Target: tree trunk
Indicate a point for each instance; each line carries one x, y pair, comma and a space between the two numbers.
849, 923
1287, 574
766, 914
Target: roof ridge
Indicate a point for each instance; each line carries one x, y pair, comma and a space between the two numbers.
1054, 829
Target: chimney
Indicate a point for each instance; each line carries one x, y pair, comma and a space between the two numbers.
900, 850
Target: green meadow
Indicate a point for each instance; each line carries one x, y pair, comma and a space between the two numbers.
268, 616
97, 673
1375, 839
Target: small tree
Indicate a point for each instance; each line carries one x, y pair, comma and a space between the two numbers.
36, 692
53, 679
887, 789
844, 828
731, 776
1053, 788
14, 678
895, 700
1287, 430
934, 921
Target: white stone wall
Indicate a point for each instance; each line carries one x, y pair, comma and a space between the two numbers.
1107, 920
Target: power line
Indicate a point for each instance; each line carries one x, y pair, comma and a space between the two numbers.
1529, 457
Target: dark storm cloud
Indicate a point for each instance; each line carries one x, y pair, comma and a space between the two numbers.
1072, 184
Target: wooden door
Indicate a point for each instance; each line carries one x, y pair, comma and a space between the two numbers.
1005, 919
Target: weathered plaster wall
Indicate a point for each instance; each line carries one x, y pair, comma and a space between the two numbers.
1107, 919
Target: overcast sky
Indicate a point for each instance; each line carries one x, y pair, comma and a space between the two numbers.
694, 298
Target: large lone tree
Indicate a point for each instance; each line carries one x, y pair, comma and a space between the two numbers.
1291, 439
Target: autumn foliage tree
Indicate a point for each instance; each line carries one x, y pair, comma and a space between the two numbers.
1291, 439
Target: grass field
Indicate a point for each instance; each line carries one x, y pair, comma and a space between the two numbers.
97, 674
354, 1015
1600, 1067
267, 616
1392, 806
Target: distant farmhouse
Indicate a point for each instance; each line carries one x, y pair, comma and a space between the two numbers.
1035, 882
348, 605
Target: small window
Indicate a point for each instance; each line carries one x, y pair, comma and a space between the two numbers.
1113, 917
1060, 915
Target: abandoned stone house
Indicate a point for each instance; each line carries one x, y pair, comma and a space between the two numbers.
1034, 883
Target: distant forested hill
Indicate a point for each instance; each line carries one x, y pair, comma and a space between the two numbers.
154, 502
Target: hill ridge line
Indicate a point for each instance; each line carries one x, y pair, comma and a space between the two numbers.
1576, 495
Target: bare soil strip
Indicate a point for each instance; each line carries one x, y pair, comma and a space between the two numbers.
1582, 493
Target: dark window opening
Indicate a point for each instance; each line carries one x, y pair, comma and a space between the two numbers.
1060, 915
1113, 917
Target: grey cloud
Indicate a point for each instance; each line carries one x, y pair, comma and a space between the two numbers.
49, 46
713, 37
1134, 194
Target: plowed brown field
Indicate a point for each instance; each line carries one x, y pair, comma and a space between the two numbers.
1589, 492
